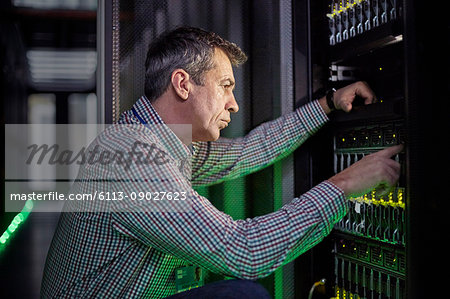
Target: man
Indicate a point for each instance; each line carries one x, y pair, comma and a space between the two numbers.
137, 248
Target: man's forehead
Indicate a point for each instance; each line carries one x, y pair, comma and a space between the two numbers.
223, 64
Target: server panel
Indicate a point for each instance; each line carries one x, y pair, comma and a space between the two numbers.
369, 244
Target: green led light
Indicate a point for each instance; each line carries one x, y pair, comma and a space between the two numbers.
12, 227
4, 237
15, 224
17, 220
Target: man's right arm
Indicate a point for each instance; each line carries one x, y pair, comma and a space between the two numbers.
249, 248
194, 230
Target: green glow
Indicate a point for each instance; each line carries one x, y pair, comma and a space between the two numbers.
277, 204
12, 227
4, 237
234, 198
15, 224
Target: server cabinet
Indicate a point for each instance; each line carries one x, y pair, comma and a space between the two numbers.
383, 247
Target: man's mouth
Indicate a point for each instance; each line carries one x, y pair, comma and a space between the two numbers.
225, 122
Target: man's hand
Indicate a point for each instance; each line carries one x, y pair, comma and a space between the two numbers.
343, 98
376, 171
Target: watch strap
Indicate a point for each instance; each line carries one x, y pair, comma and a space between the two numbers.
329, 97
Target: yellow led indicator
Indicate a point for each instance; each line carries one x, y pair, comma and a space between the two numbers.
375, 201
401, 204
380, 68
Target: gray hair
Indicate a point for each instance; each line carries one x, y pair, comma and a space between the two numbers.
187, 48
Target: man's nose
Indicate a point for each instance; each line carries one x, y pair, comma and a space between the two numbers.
232, 105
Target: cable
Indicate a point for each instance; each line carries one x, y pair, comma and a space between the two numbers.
316, 284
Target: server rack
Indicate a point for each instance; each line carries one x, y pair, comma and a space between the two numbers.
383, 247
407, 61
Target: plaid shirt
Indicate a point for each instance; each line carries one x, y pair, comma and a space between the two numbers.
135, 254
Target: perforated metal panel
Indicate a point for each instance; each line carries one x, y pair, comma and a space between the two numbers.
141, 21
264, 87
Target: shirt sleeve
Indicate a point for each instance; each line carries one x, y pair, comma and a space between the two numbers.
214, 162
191, 228
195, 231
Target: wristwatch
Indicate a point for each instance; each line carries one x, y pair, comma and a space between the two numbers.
329, 97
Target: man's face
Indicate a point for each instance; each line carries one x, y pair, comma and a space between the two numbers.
213, 102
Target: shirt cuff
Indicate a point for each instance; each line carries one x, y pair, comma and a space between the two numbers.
313, 116
331, 203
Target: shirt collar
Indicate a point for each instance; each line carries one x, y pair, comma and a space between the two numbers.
147, 112
154, 122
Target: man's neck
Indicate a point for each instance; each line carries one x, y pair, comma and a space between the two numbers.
173, 114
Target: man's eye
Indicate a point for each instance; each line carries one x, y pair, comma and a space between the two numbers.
228, 85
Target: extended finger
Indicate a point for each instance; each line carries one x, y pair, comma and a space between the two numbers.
390, 151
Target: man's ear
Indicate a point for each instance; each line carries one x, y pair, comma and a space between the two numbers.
181, 83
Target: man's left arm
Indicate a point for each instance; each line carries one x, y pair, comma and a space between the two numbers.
226, 158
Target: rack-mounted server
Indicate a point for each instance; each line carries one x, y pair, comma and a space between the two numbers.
348, 18
369, 243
